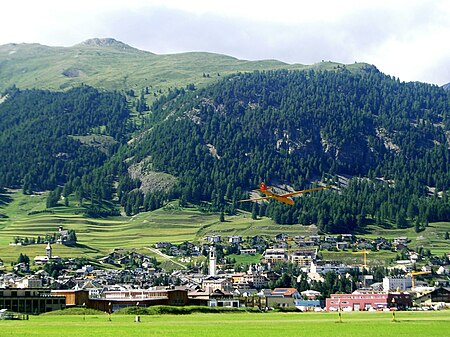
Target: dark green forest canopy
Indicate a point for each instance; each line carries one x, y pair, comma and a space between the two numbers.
294, 127
298, 126
39, 129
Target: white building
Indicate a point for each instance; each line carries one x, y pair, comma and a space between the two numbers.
275, 255
235, 239
41, 260
212, 261
323, 267
396, 283
30, 281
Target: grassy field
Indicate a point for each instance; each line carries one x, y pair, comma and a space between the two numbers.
57, 68
432, 237
97, 237
366, 324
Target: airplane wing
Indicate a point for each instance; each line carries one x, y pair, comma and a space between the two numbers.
254, 199
303, 191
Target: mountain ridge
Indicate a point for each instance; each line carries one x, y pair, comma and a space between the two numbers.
106, 42
113, 65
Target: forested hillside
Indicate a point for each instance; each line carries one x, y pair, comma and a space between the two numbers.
43, 135
297, 127
382, 144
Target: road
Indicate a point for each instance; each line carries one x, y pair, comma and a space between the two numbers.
167, 257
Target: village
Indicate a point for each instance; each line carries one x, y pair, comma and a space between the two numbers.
291, 275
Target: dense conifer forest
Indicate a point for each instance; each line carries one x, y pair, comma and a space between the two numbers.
382, 144
39, 129
298, 127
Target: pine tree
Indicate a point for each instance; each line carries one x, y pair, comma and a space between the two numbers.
254, 211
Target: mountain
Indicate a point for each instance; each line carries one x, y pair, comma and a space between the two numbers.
107, 42
113, 65
297, 127
446, 86
216, 127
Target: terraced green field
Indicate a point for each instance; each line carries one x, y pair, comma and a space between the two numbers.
98, 237
410, 324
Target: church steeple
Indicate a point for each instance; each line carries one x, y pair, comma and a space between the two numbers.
48, 251
212, 261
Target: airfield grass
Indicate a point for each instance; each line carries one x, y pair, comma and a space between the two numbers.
270, 324
98, 237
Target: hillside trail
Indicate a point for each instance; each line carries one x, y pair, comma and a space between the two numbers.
167, 257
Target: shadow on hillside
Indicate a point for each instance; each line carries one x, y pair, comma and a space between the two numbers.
86, 247
5, 199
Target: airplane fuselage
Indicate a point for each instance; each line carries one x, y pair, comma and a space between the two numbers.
275, 196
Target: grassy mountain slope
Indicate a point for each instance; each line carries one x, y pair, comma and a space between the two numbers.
112, 65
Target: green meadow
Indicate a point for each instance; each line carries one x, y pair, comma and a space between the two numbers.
111, 68
24, 217
270, 324
98, 237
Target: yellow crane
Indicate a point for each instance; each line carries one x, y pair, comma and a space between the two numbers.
414, 273
365, 252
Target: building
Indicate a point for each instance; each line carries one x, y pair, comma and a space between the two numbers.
219, 298
275, 255
41, 260
302, 257
214, 238
439, 296
342, 245
368, 300
30, 300
115, 300
251, 251
252, 298
310, 294
397, 283
235, 239
307, 305
323, 267
64, 237
73, 297
29, 281
250, 279
283, 298
212, 283
212, 261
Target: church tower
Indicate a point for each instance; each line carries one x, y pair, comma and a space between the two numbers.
212, 261
48, 251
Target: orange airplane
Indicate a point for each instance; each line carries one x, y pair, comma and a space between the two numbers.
284, 198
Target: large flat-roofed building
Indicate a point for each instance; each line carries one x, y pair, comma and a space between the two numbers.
396, 283
30, 300
368, 300
73, 297
274, 255
115, 300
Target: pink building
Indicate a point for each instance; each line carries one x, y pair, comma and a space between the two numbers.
368, 300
